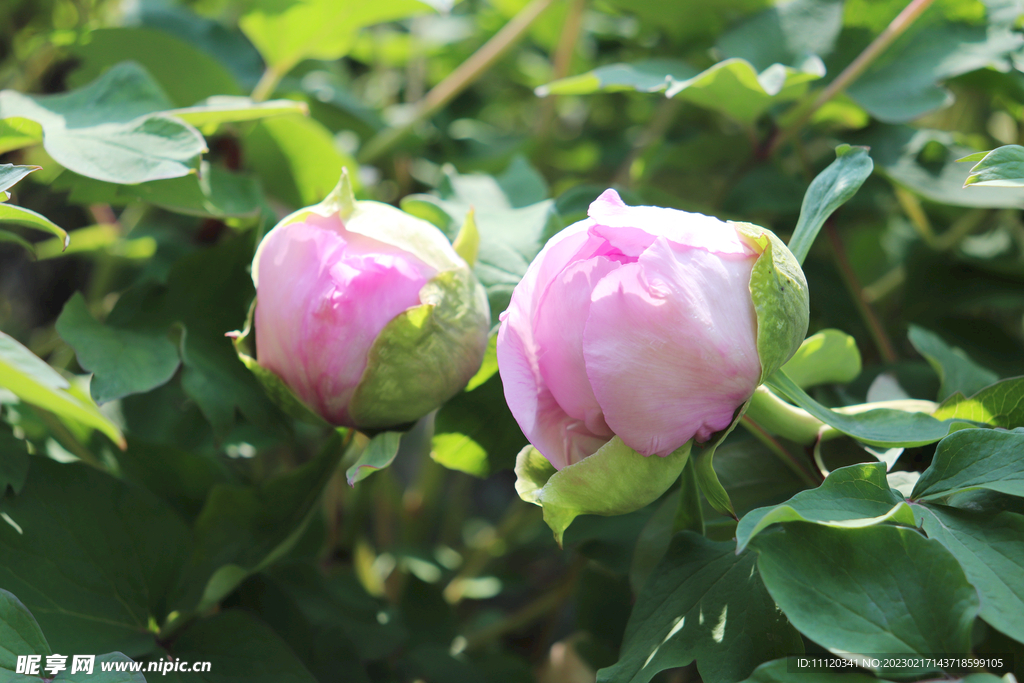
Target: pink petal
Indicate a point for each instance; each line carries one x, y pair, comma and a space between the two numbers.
323, 297
560, 438
635, 227
670, 346
558, 332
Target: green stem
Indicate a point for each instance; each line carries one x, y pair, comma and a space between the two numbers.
267, 84
855, 69
776, 416
457, 81
562, 62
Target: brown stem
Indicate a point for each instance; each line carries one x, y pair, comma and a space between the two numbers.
855, 69
867, 312
457, 81
561, 63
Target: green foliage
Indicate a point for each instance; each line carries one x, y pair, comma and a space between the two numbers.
202, 513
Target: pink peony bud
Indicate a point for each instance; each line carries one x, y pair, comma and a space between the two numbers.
366, 313
636, 322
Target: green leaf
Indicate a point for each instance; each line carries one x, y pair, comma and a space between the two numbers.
35, 382
238, 646
956, 371
779, 671
19, 632
990, 549
105, 238
215, 111
826, 357
925, 161
212, 192
287, 33
778, 289
654, 75
296, 158
13, 462
123, 361
17, 132
832, 188
96, 558
785, 34
379, 453
180, 478
734, 88
111, 129
99, 675
31, 219
243, 529
11, 174
185, 73
489, 366
903, 84
1002, 167
850, 497
6, 236
613, 481
880, 427
999, 405
972, 459
707, 603
460, 452
481, 415
874, 590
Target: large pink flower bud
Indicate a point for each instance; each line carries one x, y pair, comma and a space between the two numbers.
366, 313
640, 322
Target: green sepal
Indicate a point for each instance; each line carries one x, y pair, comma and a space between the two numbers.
467, 242
425, 355
379, 453
615, 480
277, 391
779, 292
707, 478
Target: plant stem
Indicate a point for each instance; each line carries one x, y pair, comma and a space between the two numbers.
457, 81
885, 348
267, 84
855, 69
561, 63
652, 134
762, 435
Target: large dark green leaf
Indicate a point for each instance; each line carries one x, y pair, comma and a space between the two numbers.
122, 361
785, 34
874, 590
707, 603
832, 188
13, 461
955, 369
185, 73
903, 84
239, 647
19, 632
990, 548
111, 129
243, 529
972, 459
854, 496
95, 558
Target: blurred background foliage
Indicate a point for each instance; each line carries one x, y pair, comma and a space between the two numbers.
524, 110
